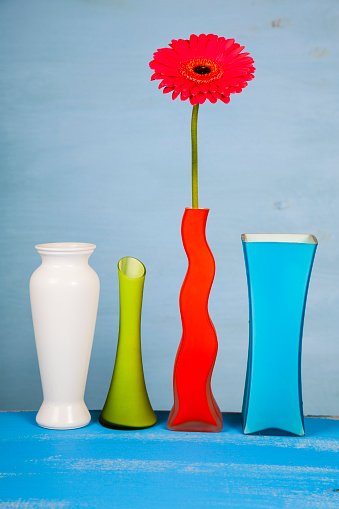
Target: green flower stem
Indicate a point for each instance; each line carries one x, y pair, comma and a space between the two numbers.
194, 128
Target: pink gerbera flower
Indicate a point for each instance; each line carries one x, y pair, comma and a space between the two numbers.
203, 67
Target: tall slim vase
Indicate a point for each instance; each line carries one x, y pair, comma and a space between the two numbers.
195, 408
127, 404
278, 268
64, 294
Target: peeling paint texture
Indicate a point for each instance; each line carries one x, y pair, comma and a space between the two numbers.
94, 467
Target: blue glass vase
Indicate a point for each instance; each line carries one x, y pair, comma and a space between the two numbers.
278, 268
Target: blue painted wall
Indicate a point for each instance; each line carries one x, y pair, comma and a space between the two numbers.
91, 151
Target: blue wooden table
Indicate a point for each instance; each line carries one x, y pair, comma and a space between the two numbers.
96, 467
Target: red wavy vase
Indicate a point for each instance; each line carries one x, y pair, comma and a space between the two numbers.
195, 408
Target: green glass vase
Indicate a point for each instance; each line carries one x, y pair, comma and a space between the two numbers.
127, 404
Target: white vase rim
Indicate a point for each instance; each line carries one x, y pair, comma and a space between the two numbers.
288, 238
65, 247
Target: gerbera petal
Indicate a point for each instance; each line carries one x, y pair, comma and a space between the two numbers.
210, 97
167, 82
222, 82
222, 41
201, 98
237, 66
173, 54
233, 90
235, 52
177, 47
233, 82
156, 76
163, 68
179, 81
166, 59
231, 53
236, 73
203, 88
213, 87
195, 90
245, 58
167, 90
186, 86
241, 69
211, 45
234, 56
175, 94
193, 100
185, 48
194, 44
223, 90
184, 97
223, 47
220, 47
240, 79
166, 71
239, 60
225, 99
216, 95
202, 41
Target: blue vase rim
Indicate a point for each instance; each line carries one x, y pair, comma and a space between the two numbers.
287, 238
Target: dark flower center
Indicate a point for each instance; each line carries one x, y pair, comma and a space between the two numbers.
201, 69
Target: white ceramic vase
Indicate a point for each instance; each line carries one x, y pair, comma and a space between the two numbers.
64, 293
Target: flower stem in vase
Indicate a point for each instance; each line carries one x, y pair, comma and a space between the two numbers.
194, 129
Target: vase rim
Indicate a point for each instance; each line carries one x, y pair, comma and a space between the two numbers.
65, 247
288, 238
199, 208
131, 267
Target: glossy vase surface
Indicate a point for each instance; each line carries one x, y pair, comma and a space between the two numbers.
64, 294
278, 268
127, 404
195, 408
